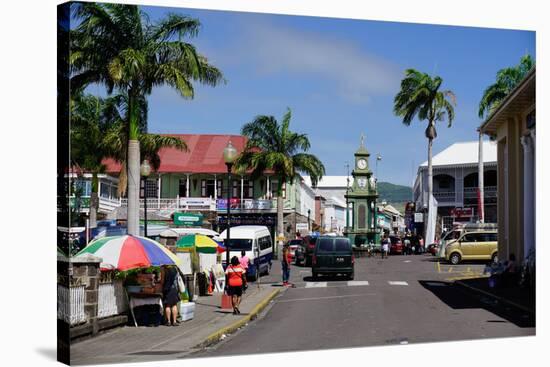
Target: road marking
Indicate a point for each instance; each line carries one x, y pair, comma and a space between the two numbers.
327, 297
394, 282
407, 261
316, 284
353, 283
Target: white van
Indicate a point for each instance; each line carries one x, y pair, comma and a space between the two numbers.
256, 242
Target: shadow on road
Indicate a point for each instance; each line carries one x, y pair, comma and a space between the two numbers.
458, 298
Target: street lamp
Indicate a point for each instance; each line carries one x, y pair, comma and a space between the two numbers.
145, 170
229, 156
308, 227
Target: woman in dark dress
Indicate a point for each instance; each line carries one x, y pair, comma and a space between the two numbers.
170, 296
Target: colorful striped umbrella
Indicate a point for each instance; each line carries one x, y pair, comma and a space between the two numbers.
201, 243
130, 252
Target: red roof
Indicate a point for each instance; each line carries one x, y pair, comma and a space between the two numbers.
205, 154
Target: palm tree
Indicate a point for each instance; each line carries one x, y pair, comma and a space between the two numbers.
507, 79
116, 139
91, 118
116, 45
272, 146
420, 96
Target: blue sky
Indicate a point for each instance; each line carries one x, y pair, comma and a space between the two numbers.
339, 78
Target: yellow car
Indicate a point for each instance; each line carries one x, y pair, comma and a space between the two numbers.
475, 245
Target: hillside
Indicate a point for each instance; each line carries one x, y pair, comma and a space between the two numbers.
396, 195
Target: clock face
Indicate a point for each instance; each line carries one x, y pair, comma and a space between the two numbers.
362, 163
362, 182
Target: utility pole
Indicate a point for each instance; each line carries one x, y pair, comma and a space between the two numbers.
347, 191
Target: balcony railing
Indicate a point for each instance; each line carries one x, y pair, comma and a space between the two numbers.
471, 192
444, 196
166, 207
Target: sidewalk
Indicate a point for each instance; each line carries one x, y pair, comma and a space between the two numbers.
514, 296
139, 344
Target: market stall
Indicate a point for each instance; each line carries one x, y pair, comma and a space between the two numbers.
139, 261
200, 254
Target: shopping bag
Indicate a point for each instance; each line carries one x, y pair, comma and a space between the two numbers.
226, 302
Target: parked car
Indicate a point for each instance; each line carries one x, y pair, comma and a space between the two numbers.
396, 247
309, 246
474, 245
332, 256
297, 250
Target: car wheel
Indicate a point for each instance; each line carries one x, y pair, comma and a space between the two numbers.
494, 258
455, 258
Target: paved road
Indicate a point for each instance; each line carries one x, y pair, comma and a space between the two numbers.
400, 300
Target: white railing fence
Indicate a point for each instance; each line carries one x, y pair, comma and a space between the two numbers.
111, 299
70, 304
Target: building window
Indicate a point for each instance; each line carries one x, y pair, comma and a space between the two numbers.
275, 186
235, 189
85, 187
444, 183
208, 187
248, 189
183, 187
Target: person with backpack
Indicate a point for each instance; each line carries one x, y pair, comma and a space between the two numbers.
171, 296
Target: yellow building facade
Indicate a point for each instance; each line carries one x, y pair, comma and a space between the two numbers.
513, 126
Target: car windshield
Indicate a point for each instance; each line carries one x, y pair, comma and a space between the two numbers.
240, 244
394, 240
342, 245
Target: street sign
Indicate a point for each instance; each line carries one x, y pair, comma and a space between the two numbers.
418, 218
301, 227
187, 219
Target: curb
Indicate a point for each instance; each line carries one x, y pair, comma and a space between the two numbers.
498, 298
215, 336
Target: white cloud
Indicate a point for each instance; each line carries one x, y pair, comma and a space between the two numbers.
356, 74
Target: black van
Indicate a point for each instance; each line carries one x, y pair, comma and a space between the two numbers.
332, 255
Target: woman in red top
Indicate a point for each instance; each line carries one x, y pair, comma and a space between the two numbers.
235, 279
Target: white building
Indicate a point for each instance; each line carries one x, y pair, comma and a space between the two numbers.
455, 180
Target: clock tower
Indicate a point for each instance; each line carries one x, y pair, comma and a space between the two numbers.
361, 197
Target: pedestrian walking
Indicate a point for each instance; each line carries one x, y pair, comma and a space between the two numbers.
244, 261
407, 243
171, 296
236, 281
385, 246
285, 262
420, 244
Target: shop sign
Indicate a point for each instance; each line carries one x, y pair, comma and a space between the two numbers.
462, 212
195, 201
187, 219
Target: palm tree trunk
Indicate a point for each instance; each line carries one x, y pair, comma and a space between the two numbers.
133, 163
94, 200
430, 181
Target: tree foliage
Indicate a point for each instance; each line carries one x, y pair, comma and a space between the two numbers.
506, 80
